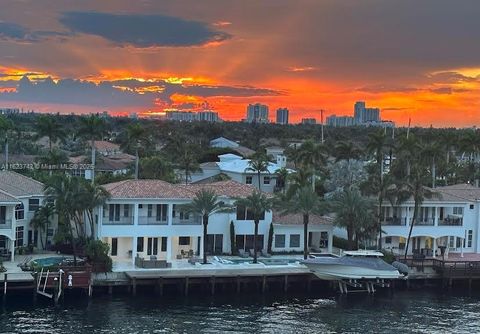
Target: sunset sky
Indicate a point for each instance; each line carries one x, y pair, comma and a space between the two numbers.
418, 59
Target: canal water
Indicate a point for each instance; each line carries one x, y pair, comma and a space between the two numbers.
404, 312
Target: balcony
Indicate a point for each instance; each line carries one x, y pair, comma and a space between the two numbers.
118, 220
145, 220
451, 221
5, 224
394, 221
189, 221
425, 222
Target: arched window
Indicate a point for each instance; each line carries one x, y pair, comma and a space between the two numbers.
19, 211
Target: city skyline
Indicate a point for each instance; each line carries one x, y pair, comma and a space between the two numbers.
149, 56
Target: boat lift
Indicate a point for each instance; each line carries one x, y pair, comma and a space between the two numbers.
362, 285
57, 284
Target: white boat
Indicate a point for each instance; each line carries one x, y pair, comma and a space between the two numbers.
353, 265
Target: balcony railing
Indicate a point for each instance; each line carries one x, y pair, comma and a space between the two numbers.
118, 220
145, 220
425, 222
5, 224
451, 221
190, 221
395, 221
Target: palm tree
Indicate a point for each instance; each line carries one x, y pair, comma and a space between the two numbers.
135, 135
282, 178
431, 152
188, 161
259, 164
305, 201
94, 196
5, 126
205, 203
257, 204
312, 157
41, 221
354, 213
408, 151
48, 126
156, 167
414, 187
91, 128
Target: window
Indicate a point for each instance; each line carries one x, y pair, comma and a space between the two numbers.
114, 246
3, 241
279, 240
459, 242
469, 238
451, 242
245, 214
184, 215
248, 180
294, 240
3, 214
140, 244
19, 211
19, 236
458, 210
388, 240
114, 212
33, 204
471, 206
152, 246
162, 212
149, 210
50, 232
183, 241
140, 206
266, 180
164, 244
126, 210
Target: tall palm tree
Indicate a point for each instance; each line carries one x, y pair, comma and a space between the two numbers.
135, 135
305, 201
48, 126
188, 160
431, 152
282, 178
91, 128
312, 156
41, 221
94, 196
257, 204
259, 164
205, 203
414, 186
354, 213
5, 126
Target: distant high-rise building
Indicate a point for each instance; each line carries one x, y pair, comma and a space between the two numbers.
340, 120
309, 121
358, 109
208, 116
257, 113
190, 116
9, 111
282, 116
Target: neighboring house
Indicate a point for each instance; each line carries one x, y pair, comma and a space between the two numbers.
115, 164
107, 148
145, 218
288, 233
450, 219
278, 155
237, 169
222, 142
20, 197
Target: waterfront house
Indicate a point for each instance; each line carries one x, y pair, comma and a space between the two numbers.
144, 219
451, 220
20, 197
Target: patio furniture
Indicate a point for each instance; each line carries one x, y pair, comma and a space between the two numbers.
190, 253
140, 262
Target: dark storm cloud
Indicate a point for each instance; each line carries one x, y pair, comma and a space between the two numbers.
107, 94
143, 31
15, 32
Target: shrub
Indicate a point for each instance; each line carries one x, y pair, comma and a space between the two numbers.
270, 239
340, 242
97, 252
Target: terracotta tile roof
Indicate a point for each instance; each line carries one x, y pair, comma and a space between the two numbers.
297, 219
16, 184
102, 145
165, 190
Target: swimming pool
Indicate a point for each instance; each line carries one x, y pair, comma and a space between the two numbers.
48, 261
